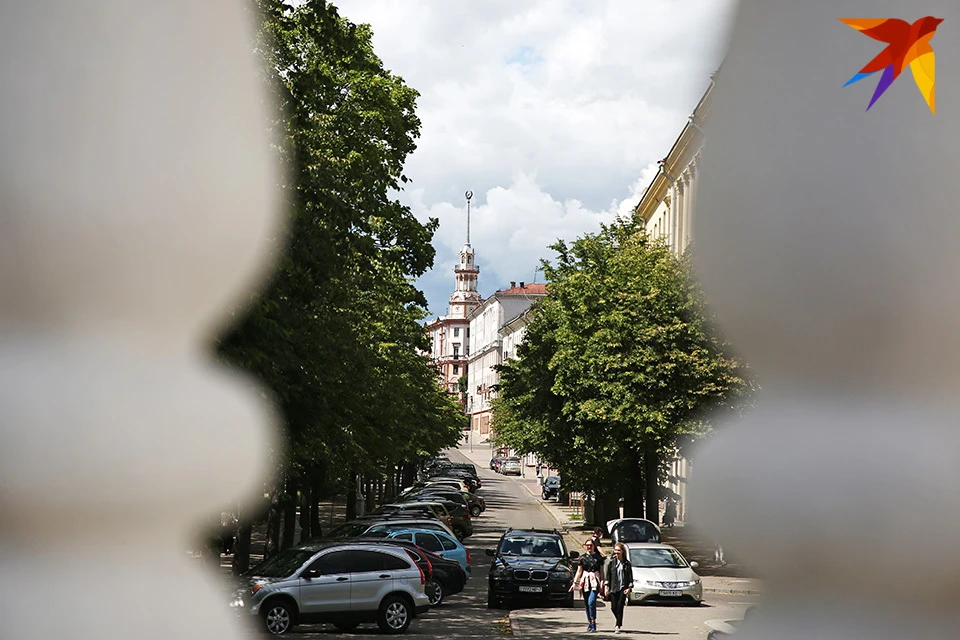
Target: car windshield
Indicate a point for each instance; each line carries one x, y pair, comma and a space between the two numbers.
669, 558
282, 564
636, 532
531, 545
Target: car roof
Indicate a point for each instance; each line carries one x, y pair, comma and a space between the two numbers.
649, 545
316, 547
552, 532
416, 530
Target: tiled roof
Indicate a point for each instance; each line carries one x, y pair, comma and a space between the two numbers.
530, 288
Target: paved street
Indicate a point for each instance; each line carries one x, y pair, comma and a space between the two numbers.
465, 615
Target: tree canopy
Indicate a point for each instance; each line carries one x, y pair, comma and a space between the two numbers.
338, 335
619, 364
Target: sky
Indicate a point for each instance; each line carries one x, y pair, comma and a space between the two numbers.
553, 112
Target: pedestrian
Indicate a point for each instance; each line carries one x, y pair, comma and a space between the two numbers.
618, 583
589, 580
597, 538
718, 555
670, 513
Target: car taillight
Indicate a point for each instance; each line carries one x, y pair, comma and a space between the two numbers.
468, 516
468, 556
423, 578
255, 588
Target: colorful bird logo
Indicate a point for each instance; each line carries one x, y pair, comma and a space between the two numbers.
906, 44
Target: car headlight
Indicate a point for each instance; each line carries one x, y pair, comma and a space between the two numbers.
561, 574
500, 572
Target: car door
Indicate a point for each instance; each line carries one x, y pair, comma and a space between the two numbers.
369, 578
325, 584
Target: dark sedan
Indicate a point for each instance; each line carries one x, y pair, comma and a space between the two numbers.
530, 566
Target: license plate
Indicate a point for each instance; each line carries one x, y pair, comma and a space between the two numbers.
670, 592
526, 589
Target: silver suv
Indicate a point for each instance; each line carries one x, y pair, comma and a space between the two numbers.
341, 583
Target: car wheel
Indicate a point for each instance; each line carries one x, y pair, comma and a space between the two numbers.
436, 593
278, 617
475, 511
346, 626
460, 533
394, 615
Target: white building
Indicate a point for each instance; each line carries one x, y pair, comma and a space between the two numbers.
496, 328
450, 334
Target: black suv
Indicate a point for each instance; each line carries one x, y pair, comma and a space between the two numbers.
530, 565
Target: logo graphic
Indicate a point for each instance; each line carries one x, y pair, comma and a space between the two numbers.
907, 44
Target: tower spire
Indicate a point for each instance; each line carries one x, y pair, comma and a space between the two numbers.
469, 195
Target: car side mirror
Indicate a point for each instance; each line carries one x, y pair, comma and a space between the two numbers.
309, 574
694, 565
490, 552
574, 555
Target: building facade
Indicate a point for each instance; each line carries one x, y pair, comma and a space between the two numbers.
450, 334
496, 328
666, 211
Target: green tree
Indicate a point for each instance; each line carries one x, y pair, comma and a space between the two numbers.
338, 335
620, 364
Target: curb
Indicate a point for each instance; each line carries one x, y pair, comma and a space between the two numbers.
735, 592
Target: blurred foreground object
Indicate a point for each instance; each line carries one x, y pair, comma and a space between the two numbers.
137, 207
827, 243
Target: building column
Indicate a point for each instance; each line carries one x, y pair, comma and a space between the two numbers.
675, 214
691, 192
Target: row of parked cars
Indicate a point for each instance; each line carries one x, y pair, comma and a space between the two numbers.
387, 567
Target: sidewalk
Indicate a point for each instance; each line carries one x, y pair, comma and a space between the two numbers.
729, 579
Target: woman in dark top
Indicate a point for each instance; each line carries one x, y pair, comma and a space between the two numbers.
618, 582
589, 580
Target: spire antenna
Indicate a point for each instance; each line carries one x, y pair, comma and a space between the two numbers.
469, 196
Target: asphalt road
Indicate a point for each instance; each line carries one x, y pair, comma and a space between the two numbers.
465, 615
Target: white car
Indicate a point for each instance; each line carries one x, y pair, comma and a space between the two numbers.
662, 574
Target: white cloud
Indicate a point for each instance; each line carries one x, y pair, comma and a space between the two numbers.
553, 112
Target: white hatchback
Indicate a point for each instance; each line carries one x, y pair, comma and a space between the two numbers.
661, 573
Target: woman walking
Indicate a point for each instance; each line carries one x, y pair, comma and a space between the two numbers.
618, 582
589, 581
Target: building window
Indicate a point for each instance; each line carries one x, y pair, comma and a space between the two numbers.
456, 351
456, 332
456, 369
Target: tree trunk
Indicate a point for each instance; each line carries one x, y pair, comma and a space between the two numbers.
272, 543
241, 553
633, 492
651, 472
352, 497
409, 475
611, 509
318, 478
289, 513
305, 500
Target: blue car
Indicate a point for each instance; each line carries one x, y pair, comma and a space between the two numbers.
437, 542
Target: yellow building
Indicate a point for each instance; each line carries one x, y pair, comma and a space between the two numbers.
666, 210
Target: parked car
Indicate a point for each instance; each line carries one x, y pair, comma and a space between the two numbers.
550, 488
449, 578
661, 573
455, 513
473, 502
439, 510
628, 530
375, 525
436, 541
341, 583
470, 480
453, 484
444, 576
530, 565
511, 467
